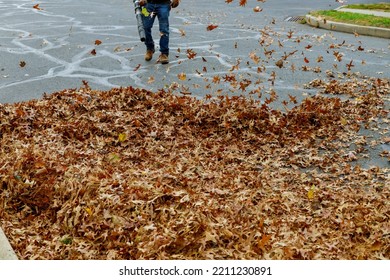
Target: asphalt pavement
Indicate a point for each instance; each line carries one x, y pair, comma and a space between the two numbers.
59, 43
50, 47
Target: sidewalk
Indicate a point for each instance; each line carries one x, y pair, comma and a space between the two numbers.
6, 251
367, 12
352, 28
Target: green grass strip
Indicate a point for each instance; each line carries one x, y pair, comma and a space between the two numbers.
378, 7
354, 18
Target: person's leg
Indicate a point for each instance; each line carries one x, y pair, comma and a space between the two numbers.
148, 24
163, 19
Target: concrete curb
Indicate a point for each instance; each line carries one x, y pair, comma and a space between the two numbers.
6, 251
348, 28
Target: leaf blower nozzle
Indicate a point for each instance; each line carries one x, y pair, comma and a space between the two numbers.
138, 16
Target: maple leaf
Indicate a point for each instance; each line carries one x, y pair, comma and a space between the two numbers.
98, 42
22, 63
211, 27
93, 52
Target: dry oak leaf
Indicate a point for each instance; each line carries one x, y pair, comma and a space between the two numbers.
151, 80
350, 65
254, 57
191, 54
182, 32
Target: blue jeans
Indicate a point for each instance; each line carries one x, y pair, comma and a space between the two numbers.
162, 13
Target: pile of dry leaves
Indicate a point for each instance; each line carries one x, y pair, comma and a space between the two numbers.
131, 174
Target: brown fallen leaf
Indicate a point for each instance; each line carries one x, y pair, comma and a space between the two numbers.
211, 27
243, 2
36, 6
279, 63
128, 173
191, 54
137, 67
182, 76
